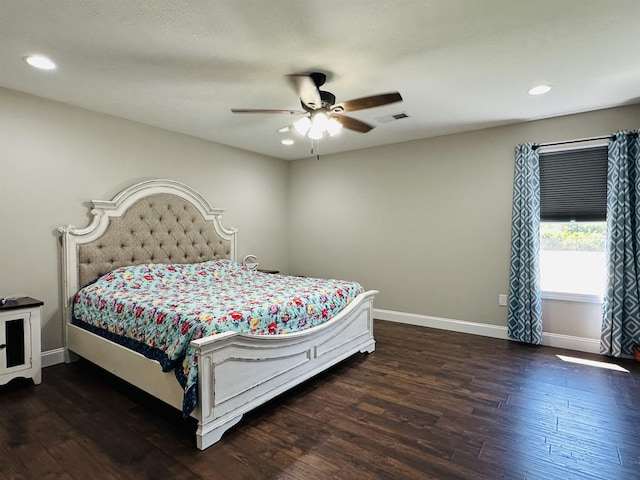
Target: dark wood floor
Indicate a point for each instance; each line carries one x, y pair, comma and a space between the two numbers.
426, 404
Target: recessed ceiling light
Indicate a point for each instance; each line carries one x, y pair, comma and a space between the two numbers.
539, 90
40, 61
287, 141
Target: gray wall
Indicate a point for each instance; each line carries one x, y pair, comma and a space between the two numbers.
54, 158
428, 222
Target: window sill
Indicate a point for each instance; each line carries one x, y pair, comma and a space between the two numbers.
571, 297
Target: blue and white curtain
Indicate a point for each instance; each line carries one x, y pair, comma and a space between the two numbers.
621, 311
525, 305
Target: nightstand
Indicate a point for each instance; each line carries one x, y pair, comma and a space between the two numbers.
20, 340
262, 270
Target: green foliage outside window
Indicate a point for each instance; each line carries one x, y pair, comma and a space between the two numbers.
576, 236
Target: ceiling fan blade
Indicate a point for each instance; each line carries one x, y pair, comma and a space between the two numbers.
307, 90
368, 102
264, 110
353, 124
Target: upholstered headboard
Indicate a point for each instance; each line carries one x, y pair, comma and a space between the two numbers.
161, 228
157, 221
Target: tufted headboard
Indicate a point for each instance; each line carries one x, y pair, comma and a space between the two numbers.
157, 221
161, 228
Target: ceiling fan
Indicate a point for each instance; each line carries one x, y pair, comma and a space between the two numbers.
321, 112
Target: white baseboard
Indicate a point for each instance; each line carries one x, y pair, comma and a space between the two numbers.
52, 357
440, 323
569, 342
581, 344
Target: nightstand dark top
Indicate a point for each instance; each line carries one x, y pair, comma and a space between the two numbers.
262, 270
21, 302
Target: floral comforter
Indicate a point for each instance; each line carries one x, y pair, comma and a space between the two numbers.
158, 309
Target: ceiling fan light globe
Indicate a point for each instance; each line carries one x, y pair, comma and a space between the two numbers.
333, 126
315, 133
302, 126
319, 121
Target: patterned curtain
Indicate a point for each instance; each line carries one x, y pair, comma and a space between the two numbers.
525, 305
621, 311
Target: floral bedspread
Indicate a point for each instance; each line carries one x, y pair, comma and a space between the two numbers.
158, 309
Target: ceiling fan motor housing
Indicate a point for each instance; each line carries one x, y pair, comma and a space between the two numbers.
328, 100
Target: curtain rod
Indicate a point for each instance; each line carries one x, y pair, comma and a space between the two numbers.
590, 139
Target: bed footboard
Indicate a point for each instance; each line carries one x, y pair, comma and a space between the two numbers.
240, 372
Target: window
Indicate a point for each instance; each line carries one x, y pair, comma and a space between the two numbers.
573, 202
572, 257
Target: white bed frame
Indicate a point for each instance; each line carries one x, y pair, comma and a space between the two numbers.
237, 372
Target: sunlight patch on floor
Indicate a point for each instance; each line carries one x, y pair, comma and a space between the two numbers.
592, 363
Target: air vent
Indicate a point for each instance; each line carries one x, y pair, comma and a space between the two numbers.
391, 118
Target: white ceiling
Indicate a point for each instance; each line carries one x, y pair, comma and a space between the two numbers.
459, 64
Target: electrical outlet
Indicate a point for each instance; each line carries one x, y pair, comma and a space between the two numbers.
502, 300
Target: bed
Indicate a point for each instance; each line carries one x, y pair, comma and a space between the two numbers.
163, 222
